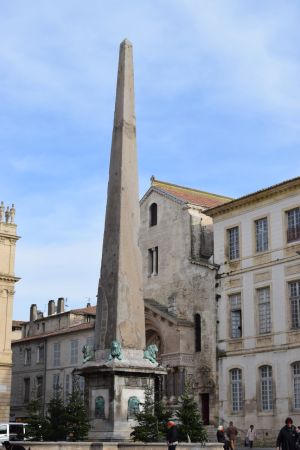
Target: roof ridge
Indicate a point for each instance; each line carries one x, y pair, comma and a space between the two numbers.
154, 183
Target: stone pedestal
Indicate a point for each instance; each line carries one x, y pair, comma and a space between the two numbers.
114, 388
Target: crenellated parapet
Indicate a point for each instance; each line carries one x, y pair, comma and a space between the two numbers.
7, 214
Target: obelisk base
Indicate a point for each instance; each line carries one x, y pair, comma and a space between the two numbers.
114, 389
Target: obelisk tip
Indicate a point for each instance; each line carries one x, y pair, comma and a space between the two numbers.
126, 42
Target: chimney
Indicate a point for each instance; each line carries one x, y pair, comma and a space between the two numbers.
33, 312
60, 305
51, 307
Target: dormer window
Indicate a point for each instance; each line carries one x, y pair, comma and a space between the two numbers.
153, 214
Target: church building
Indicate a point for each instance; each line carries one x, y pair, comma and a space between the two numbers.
176, 241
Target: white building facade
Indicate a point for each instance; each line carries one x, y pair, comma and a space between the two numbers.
257, 245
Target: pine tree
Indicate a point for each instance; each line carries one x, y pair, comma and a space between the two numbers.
78, 424
38, 427
57, 418
152, 420
190, 424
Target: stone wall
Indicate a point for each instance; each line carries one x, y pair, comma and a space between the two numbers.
184, 284
115, 446
5, 384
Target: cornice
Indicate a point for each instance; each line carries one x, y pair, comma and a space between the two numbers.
15, 237
7, 277
255, 197
205, 264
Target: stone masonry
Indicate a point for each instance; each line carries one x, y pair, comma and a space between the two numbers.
8, 238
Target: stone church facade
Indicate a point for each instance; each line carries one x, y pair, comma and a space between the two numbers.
176, 242
8, 239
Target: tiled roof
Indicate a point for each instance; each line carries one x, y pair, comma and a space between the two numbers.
72, 329
88, 310
188, 195
17, 323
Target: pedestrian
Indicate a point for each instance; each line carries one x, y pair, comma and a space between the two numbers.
232, 433
172, 435
251, 435
10, 446
287, 437
298, 438
221, 437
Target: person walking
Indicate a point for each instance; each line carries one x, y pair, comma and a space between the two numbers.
232, 433
172, 435
287, 436
222, 438
251, 435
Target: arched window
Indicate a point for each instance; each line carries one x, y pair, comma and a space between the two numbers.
197, 333
153, 214
296, 384
266, 389
236, 390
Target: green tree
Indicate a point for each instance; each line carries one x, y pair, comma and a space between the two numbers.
38, 426
78, 424
190, 424
57, 418
152, 420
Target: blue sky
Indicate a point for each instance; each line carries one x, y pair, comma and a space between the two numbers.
217, 105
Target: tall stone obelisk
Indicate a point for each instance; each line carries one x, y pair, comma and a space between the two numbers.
120, 295
117, 374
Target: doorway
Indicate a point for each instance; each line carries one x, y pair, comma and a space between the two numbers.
205, 408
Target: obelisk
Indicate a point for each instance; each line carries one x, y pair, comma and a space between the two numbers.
120, 307
119, 371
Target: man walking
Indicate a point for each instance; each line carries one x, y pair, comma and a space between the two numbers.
232, 434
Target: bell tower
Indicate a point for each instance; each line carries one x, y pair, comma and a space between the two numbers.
8, 239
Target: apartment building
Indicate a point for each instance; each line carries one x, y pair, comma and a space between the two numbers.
47, 353
257, 248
